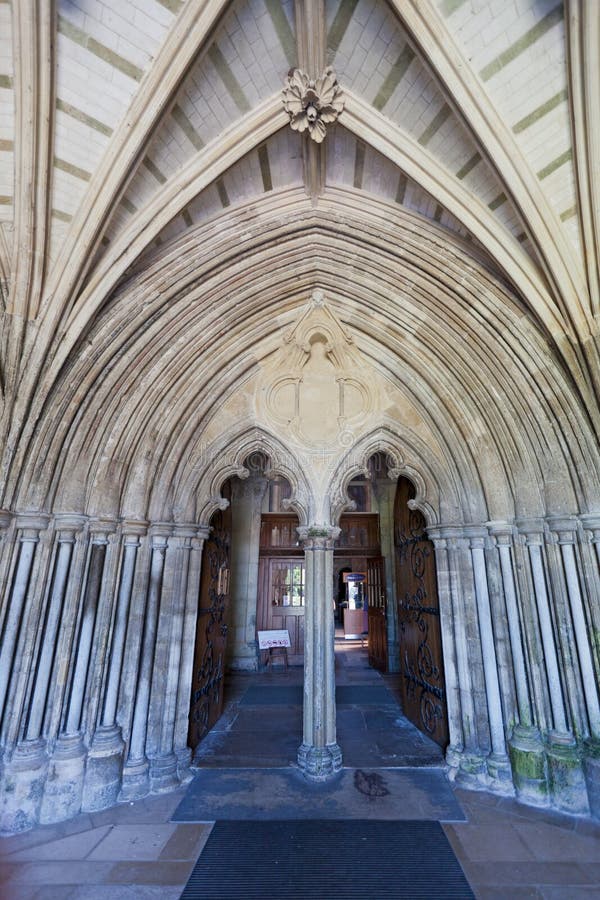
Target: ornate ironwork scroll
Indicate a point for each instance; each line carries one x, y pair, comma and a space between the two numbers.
207, 691
419, 624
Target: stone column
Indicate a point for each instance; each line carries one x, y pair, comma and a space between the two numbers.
385, 492
164, 766
136, 781
186, 662
563, 758
455, 730
64, 787
319, 755
497, 762
469, 761
29, 532
246, 501
565, 529
526, 749
30, 761
591, 762
105, 757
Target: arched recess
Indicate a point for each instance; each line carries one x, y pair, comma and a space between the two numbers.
198, 494
418, 303
436, 495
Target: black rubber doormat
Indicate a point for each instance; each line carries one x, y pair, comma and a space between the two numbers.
336, 860
291, 694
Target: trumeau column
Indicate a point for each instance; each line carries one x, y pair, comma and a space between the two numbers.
105, 757
497, 762
136, 782
526, 749
319, 755
448, 629
64, 786
191, 596
565, 773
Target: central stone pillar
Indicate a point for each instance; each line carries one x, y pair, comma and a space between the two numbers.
319, 755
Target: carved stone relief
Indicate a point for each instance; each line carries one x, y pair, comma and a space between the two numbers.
317, 390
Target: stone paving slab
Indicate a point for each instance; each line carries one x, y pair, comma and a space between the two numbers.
390, 794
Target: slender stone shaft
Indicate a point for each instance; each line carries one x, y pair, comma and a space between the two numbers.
139, 728
566, 539
319, 755
86, 633
503, 536
130, 548
37, 706
490, 666
550, 655
27, 544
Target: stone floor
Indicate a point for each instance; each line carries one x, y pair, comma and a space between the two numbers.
507, 850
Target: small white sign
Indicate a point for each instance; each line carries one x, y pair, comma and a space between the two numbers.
267, 639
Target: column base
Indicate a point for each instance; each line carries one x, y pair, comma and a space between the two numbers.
591, 770
500, 774
135, 783
453, 757
472, 771
565, 774
64, 785
319, 763
104, 767
529, 768
184, 761
163, 773
22, 786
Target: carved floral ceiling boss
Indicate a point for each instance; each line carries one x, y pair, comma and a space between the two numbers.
312, 105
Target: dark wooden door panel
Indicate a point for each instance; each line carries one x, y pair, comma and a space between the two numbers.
211, 631
421, 661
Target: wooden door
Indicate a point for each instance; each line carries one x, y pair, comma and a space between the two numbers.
282, 600
378, 648
421, 662
211, 630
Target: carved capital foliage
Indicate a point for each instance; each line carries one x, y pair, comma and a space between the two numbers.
312, 105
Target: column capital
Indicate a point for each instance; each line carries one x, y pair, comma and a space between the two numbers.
159, 535
475, 534
501, 531
185, 530
532, 530
68, 525
5, 519
31, 524
203, 532
135, 528
101, 529
318, 537
564, 527
590, 522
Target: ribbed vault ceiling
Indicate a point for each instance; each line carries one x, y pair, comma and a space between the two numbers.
159, 226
